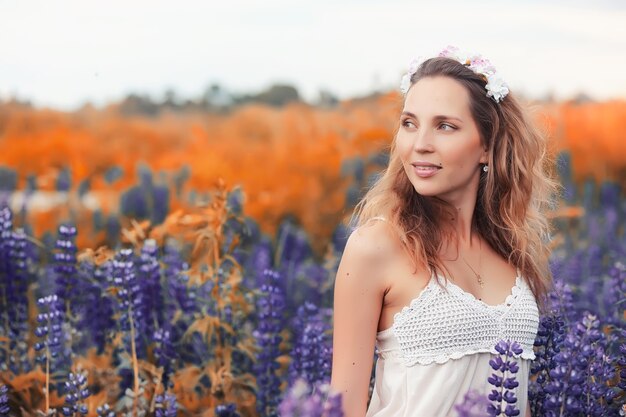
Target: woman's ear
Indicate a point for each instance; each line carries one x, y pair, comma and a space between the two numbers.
484, 158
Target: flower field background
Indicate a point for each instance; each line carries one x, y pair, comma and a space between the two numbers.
183, 264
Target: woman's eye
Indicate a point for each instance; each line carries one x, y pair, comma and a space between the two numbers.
447, 126
407, 123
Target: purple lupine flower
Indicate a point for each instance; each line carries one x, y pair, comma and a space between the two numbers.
291, 405
561, 301
235, 200
50, 331
8, 184
503, 399
165, 405
259, 260
180, 296
4, 401
579, 380
150, 278
76, 393
621, 362
333, 406
65, 267
615, 293
64, 180
293, 244
550, 335
123, 277
241, 362
227, 317
160, 199
105, 411
112, 228
6, 230
312, 350
134, 202
313, 280
14, 282
473, 404
164, 351
270, 308
227, 410
292, 250
339, 238
304, 400
96, 321
129, 297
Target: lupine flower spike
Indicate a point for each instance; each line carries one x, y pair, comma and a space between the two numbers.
76, 393
4, 401
50, 331
227, 410
271, 305
304, 400
474, 404
166, 405
502, 397
105, 411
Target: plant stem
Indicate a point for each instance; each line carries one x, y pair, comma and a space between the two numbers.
502, 390
6, 327
134, 359
70, 321
47, 378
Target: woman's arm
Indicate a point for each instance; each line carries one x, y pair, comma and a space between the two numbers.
358, 297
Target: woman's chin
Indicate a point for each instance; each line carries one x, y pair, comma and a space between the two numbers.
426, 192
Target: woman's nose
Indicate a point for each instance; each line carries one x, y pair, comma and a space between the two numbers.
423, 141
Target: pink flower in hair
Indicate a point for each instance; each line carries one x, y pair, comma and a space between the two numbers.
496, 87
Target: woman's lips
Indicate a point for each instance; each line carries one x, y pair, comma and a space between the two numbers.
425, 171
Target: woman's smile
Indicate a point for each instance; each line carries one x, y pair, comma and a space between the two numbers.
425, 171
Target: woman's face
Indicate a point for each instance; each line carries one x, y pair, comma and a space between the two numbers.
437, 128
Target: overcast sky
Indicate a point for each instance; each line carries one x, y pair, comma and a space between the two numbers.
62, 53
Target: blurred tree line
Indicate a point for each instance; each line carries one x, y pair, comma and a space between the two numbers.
218, 99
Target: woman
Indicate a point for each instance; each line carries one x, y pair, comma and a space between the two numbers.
450, 250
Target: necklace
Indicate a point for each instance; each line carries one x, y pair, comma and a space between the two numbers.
478, 277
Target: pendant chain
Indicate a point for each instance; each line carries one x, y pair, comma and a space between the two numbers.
478, 277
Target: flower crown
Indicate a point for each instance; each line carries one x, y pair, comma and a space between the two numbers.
496, 87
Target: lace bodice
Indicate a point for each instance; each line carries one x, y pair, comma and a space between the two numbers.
439, 347
445, 322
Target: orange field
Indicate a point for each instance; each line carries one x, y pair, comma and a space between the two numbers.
287, 160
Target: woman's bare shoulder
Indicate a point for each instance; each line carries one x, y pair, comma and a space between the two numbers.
375, 238
371, 249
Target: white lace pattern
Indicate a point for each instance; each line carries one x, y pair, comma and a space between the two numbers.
447, 323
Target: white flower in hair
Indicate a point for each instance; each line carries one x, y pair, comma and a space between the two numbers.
405, 84
414, 65
496, 87
452, 52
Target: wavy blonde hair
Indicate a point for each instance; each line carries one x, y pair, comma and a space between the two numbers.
512, 200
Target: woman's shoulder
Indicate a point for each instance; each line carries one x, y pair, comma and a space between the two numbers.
376, 235
366, 256
376, 224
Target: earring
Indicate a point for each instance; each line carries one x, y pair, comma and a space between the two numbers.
485, 167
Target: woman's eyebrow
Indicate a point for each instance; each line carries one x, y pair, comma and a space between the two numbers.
444, 117
437, 117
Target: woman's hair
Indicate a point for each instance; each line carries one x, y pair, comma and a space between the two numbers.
512, 197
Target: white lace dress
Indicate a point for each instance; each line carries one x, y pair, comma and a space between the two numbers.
440, 345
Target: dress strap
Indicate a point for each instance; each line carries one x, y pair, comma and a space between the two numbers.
379, 218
